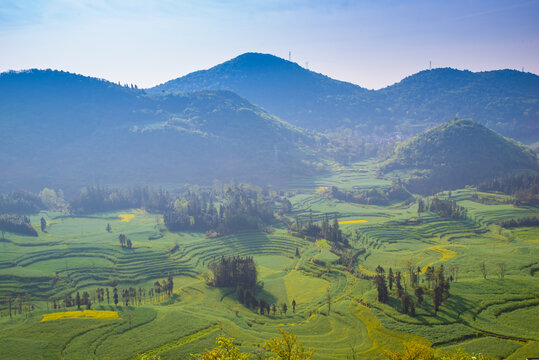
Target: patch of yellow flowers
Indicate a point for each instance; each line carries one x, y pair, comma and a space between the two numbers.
85, 314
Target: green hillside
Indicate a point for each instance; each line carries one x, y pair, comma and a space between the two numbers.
61, 129
455, 154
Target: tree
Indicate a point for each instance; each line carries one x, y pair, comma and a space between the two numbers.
405, 303
287, 347
483, 269
294, 305
297, 252
381, 287
400, 290
129, 244
78, 300
115, 296
109, 228
226, 350
412, 351
501, 270
328, 299
436, 298
43, 224
420, 206
390, 279
285, 308
9, 305
122, 238
419, 294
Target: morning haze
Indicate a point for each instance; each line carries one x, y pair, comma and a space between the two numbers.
269, 180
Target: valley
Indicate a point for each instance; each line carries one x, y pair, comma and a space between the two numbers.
336, 313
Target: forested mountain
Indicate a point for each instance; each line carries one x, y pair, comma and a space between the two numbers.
284, 88
505, 100
60, 128
455, 154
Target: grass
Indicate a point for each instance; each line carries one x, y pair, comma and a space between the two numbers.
78, 254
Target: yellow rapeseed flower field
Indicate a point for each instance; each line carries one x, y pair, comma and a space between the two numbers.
352, 222
85, 314
126, 217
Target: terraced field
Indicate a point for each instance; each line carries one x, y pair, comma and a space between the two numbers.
493, 314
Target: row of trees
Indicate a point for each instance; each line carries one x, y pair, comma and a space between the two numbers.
247, 298
19, 304
240, 208
127, 296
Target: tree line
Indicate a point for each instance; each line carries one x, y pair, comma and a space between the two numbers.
528, 221
97, 198
397, 192
523, 187
16, 224
130, 296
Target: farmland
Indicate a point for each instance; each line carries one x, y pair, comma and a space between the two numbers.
489, 313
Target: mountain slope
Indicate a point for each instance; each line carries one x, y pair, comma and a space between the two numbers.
282, 87
455, 154
63, 129
505, 100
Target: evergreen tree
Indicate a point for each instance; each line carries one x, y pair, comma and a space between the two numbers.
43, 224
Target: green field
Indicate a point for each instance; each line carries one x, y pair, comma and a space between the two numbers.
493, 315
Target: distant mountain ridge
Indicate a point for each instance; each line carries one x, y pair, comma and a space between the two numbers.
504, 100
59, 128
455, 154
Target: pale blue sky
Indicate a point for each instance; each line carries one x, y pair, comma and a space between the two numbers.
372, 43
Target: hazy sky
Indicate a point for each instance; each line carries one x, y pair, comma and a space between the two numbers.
372, 43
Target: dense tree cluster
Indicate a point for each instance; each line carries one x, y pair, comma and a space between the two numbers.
397, 192
94, 199
16, 224
446, 208
529, 221
240, 208
332, 233
234, 272
435, 278
20, 202
523, 187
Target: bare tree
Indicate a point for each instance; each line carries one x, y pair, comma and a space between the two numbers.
483, 269
328, 297
501, 270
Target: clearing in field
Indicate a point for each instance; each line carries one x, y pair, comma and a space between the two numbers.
85, 314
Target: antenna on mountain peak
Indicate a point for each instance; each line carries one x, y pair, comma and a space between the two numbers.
290, 56
430, 64
523, 69
307, 65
